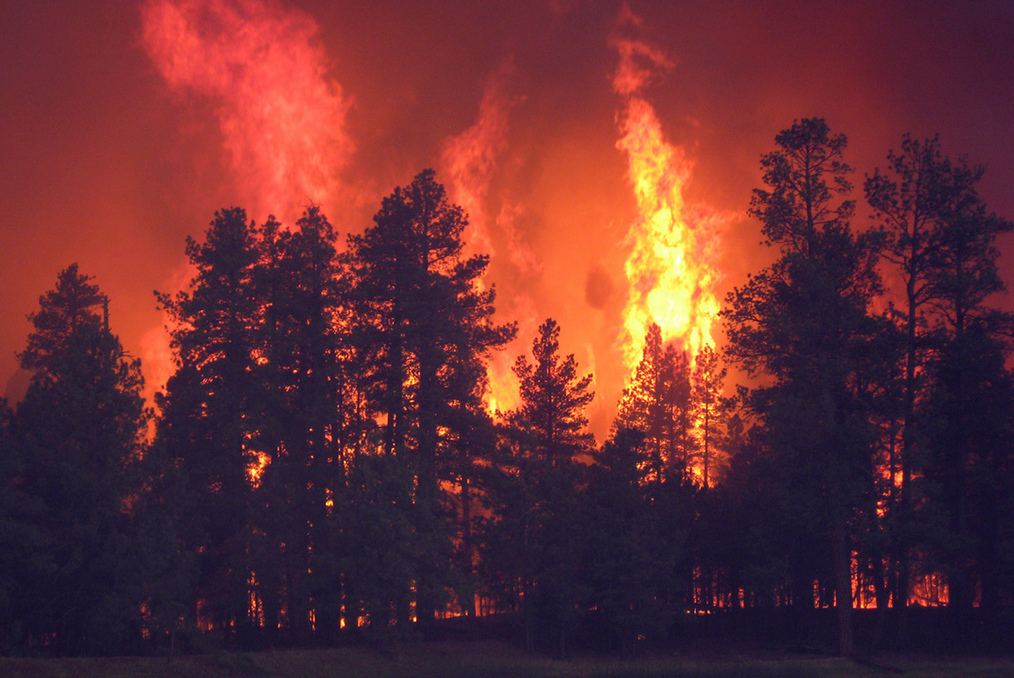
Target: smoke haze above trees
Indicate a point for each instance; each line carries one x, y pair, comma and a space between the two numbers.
108, 166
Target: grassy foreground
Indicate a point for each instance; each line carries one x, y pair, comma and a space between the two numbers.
487, 660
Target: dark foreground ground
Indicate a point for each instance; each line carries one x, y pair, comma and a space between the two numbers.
496, 659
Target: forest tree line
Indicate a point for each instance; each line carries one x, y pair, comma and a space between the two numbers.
322, 465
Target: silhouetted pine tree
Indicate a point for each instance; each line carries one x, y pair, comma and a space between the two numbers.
969, 405
306, 421
660, 403
534, 540
424, 326
801, 322
632, 545
907, 200
79, 434
708, 379
643, 406
23, 540
212, 415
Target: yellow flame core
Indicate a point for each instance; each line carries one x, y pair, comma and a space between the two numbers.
670, 269
255, 469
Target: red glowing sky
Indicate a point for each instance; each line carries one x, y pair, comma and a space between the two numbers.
110, 162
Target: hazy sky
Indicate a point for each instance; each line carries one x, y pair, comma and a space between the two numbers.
116, 147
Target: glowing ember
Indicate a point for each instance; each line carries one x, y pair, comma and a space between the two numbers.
670, 269
255, 469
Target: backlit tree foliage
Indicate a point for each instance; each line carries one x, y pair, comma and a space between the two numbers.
323, 468
534, 537
803, 322
424, 327
77, 440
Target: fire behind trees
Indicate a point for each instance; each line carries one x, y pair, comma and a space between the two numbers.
323, 465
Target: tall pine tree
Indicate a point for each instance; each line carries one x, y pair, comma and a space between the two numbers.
211, 422
800, 323
80, 432
708, 379
424, 324
535, 536
300, 365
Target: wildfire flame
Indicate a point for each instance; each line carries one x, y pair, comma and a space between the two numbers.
281, 117
282, 122
471, 160
471, 157
671, 266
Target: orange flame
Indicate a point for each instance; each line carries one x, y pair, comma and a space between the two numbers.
471, 160
281, 117
671, 266
503, 388
255, 467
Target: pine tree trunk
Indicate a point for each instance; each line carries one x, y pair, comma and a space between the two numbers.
467, 547
842, 556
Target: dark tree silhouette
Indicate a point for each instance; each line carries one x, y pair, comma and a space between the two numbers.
553, 399
800, 322
969, 348
425, 325
644, 407
632, 544
708, 379
909, 201
660, 403
79, 432
307, 419
533, 541
211, 409
324, 460
942, 244
23, 543
682, 412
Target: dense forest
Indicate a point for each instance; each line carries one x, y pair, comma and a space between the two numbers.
322, 466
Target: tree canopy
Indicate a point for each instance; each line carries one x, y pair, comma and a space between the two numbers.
324, 466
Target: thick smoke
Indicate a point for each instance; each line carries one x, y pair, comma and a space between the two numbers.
126, 124
264, 72
262, 67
